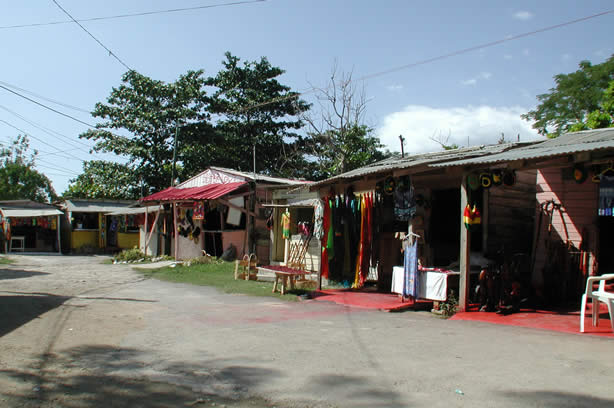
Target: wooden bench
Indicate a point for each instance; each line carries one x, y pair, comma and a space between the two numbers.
247, 267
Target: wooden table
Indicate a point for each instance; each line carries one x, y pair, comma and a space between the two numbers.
286, 277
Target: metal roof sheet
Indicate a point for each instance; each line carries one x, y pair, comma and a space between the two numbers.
569, 143
396, 162
206, 192
137, 210
27, 208
92, 206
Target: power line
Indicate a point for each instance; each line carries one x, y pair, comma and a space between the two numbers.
47, 107
111, 53
144, 13
429, 60
45, 98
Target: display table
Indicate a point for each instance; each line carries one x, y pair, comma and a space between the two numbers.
433, 283
20, 240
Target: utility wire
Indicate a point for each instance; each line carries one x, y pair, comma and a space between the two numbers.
144, 13
111, 53
47, 107
429, 60
45, 98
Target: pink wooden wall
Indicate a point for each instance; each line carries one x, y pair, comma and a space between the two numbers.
577, 216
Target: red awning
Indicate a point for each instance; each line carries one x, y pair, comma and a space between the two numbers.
208, 192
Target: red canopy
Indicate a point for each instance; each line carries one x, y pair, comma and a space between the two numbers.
208, 192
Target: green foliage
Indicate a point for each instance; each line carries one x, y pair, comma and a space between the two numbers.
339, 151
104, 179
150, 111
131, 255
18, 178
578, 101
449, 307
252, 108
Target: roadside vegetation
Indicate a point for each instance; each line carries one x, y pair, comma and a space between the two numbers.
220, 275
5, 261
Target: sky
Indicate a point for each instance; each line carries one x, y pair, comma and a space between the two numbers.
408, 56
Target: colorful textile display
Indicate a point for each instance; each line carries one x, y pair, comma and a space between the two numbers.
404, 200
199, 210
325, 227
606, 195
471, 217
285, 225
410, 264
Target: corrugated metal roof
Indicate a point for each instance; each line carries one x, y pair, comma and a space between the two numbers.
569, 143
206, 192
397, 162
137, 210
27, 208
212, 175
94, 206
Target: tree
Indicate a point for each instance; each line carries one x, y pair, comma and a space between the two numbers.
151, 111
18, 178
573, 99
339, 140
104, 179
602, 117
253, 109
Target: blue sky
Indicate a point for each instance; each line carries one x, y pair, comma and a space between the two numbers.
472, 97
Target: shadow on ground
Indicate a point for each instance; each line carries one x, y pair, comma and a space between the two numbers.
559, 399
357, 391
101, 376
19, 310
18, 274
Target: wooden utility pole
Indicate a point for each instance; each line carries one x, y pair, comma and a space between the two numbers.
465, 246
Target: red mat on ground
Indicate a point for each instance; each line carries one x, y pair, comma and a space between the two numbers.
564, 322
368, 300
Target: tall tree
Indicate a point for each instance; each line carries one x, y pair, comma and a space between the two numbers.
575, 96
253, 109
150, 111
104, 179
18, 178
339, 140
602, 117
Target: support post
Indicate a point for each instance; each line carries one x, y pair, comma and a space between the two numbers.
175, 234
465, 246
146, 215
57, 230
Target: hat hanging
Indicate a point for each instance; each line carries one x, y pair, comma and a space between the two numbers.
389, 185
485, 180
579, 173
497, 178
473, 181
509, 178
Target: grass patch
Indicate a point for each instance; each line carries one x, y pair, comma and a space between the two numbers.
6, 261
220, 276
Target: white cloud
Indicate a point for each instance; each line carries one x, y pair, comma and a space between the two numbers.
565, 57
523, 15
482, 124
394, 88
525, 52
507, 56
474, 81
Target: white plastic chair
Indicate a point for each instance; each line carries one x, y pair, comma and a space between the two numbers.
599, 295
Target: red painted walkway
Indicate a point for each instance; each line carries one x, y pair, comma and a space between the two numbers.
369, 299
561, 321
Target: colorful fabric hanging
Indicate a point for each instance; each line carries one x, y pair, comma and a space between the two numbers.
410, 265
471, 217
285, 225
358, 277
330, 240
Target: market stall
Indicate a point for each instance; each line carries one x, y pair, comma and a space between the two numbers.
28, 226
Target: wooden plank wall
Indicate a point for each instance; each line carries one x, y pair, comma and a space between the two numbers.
578, 212
511, 214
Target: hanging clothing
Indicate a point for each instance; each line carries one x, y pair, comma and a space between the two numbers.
318, 213
358, 278
404, 202
285, 225
606, 195
410, 264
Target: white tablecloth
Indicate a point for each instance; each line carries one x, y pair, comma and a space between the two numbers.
433, 284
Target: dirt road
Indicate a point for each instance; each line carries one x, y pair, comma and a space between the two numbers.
78, 333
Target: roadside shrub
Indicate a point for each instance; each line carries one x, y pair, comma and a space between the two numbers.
131, 255
448, 309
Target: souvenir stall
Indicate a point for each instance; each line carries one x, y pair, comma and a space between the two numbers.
29, 226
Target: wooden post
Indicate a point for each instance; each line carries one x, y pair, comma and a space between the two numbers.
59, 235
485, 215
175, 234
153, 226
146, 214
465, 246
